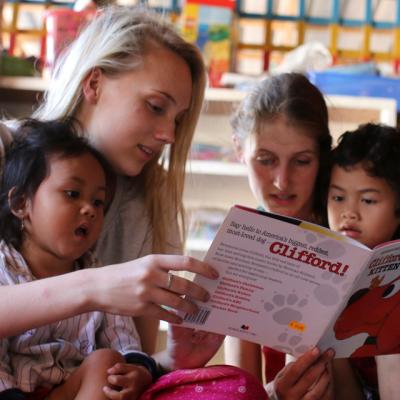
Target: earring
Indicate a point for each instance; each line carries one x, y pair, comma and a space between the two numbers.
22, 225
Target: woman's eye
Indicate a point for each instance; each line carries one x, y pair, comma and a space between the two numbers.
265, 161
74, 194
303, 162
155, 107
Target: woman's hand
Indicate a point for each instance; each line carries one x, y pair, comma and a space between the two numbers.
309, 377
145, 287
190, 348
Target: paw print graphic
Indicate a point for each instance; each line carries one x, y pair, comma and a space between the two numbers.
285, 309
331, 291
291, 343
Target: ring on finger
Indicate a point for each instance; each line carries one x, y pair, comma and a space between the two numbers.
169, 281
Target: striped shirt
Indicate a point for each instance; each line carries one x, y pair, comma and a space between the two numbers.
46, 356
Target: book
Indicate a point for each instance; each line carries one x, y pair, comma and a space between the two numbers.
289, 284
208, 24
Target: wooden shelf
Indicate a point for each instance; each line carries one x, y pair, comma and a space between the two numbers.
216, 168
26, 83
217, 184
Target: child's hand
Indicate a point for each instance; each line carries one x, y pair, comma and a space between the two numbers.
127, 381
306, 378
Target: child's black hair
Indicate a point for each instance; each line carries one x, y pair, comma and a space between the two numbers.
27, 165
377, 148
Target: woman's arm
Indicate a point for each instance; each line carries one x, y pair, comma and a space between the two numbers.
134, 288
243, 354
30, 305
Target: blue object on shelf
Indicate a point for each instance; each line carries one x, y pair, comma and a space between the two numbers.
363, 68
356, 85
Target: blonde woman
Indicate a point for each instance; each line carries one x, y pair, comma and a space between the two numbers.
136, 89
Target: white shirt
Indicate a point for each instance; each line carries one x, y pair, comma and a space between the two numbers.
46, 356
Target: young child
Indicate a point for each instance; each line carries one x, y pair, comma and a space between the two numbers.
52, 203
364, 204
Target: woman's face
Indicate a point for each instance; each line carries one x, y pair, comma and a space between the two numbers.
131, 117
282, 162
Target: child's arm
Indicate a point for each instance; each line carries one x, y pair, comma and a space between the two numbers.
140, 370
148, 330
346, 383
388, 376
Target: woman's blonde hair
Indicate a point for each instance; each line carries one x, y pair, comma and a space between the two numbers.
116, 42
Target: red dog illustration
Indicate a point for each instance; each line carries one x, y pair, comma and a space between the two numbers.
376, 311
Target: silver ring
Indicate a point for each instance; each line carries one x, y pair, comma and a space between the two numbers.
169, 281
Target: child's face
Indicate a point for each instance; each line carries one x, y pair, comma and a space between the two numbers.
361, 206
65, 216
282, 161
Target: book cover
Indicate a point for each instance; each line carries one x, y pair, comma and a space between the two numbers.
208, 24
286, 284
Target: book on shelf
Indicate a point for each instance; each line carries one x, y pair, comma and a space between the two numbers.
289, 284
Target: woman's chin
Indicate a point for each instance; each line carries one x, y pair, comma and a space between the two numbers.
131, 170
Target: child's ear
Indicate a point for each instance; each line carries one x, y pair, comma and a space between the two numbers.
238, 147
91, 85
18, 206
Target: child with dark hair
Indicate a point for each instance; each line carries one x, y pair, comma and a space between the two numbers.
364, 204
52, 201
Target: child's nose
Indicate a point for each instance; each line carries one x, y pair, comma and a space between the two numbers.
349, 215
88, 210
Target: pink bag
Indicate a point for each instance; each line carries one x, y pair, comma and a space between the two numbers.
219, 382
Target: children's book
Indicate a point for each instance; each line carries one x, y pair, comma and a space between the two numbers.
208, 24
289, 284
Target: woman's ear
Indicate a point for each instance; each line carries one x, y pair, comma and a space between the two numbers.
91, 85
18, 206
238, 147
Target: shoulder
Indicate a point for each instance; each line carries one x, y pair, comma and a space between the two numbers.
13, 269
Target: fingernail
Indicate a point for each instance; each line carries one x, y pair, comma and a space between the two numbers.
214, 273
206, 297
315, 351
331, 353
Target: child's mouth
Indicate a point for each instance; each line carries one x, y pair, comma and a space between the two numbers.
82, 231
